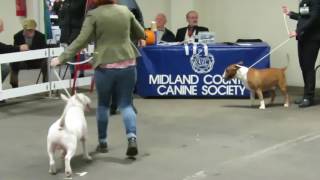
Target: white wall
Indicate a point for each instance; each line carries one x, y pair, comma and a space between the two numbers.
12, 23
232, 19
178, 13
150, 8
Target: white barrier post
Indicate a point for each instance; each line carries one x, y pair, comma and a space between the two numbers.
41, 87
0, 81
25, 90
49, 72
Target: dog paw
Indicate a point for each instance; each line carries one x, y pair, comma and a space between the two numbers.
68, 174
262, 107
88, 158
52, 170
286, 105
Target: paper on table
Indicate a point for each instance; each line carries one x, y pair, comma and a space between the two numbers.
169, 43
244, 44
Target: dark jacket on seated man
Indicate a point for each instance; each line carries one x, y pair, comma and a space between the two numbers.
38, 42
168, 36
181, 33
4, 48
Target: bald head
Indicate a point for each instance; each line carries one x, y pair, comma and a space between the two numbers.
1, 25
161, 21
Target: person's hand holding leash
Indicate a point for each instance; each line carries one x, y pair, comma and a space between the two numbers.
285, 10
292, 34
54, 62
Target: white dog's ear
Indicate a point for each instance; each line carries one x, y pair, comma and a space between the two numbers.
236, 67
64, 97
77, 96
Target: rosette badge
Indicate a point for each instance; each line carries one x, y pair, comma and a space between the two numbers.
202, 64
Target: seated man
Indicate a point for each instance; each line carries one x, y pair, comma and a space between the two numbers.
188, 33
164, 34
4, 48
35, 40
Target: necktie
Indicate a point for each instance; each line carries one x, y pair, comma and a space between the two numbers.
190, 31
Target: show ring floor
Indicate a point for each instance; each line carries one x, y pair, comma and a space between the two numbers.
179, 139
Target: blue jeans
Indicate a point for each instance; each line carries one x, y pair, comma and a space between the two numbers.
122, 81
4, 71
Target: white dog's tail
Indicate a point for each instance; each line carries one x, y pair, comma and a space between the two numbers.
62, 118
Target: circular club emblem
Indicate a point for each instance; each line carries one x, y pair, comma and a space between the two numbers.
202, 64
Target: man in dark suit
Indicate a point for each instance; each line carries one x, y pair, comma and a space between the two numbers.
134, 8
71, 17
163, 33
188, 33
35, 40
308, 35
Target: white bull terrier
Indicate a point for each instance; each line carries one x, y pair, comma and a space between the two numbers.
67, 130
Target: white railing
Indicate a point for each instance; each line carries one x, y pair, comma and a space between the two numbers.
41, 87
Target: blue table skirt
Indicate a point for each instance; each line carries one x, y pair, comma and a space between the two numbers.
168, 71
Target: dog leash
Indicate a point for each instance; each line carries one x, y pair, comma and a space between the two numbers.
63, 87
280, 45
272, 51
81, 62
70, 63
286, 23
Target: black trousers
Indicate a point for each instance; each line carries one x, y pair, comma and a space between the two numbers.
308, 53
33, 64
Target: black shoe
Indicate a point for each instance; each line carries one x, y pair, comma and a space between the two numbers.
306, 103
113, 111
102, 148
132, 147
14, 85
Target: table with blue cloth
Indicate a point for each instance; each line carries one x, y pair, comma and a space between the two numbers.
196, 70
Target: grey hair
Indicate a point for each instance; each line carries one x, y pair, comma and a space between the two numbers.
192, 11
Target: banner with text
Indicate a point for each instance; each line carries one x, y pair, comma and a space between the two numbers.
170, 71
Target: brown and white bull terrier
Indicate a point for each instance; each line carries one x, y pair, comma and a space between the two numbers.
258, 81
